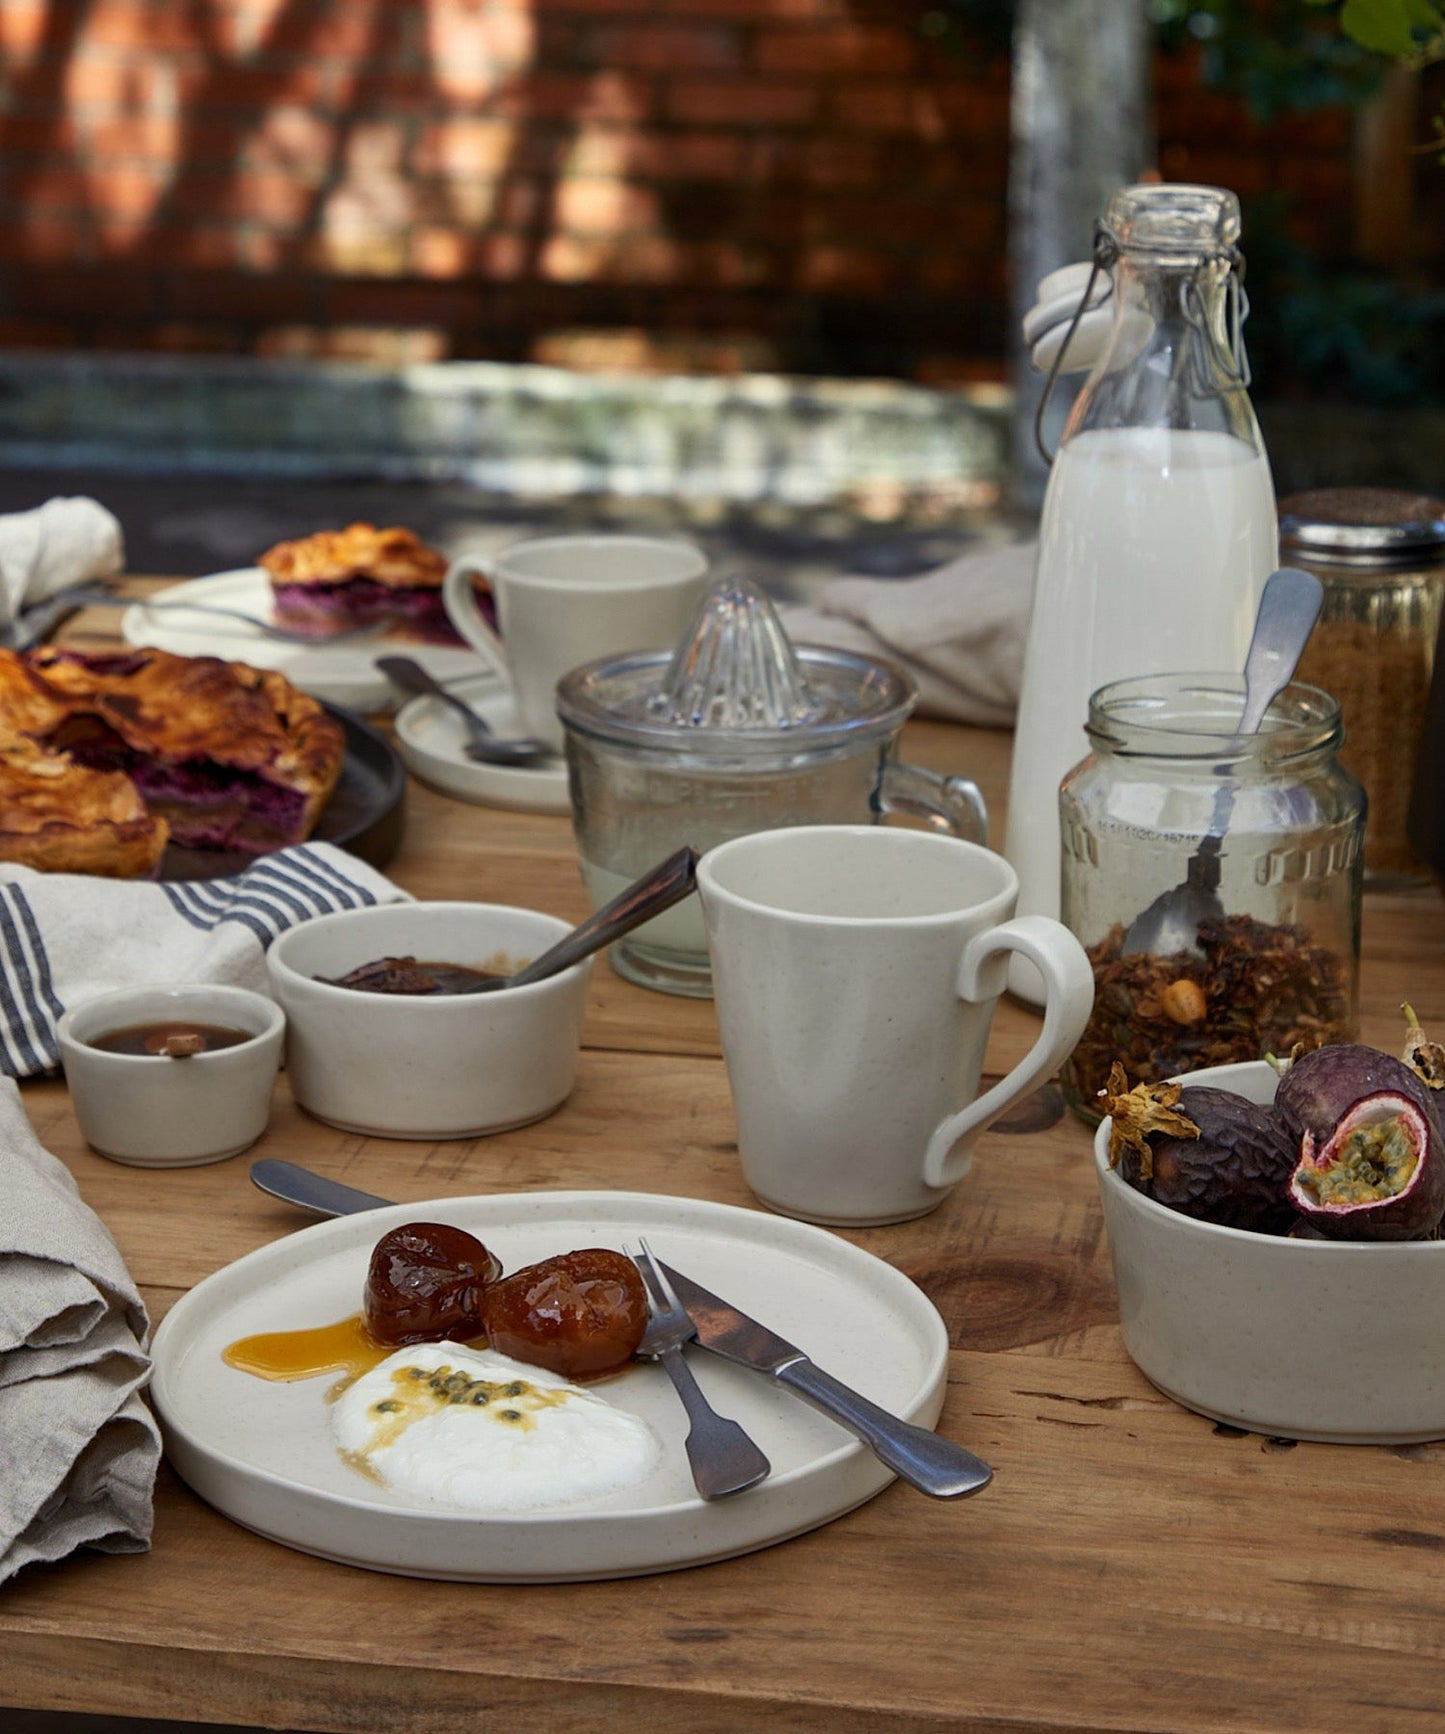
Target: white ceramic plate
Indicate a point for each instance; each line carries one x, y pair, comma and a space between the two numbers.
342, 673
432, 739
262, 1452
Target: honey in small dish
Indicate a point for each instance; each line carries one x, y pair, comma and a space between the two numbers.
169, 1038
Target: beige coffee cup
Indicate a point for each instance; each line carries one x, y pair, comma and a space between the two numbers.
855, 970
565, 600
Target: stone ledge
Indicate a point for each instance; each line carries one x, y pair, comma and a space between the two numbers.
517, 429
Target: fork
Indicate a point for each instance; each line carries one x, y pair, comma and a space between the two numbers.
722, 1457
266, 628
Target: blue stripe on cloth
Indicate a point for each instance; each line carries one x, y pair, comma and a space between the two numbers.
181, 901
334, 887
205, 904
28, 1004
274, 894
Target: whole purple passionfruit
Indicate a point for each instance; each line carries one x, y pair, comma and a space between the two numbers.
1207, 1153
1370, 1164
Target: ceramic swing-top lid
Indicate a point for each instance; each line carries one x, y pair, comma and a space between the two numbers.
737, 684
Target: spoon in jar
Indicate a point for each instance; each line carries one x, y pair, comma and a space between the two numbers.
1288, 609
482, 744
667, 883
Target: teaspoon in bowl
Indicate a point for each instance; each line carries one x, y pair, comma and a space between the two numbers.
482, 744
658, 889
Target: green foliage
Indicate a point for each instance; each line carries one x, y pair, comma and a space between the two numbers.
1275, 54
1330, 332
1404, 29
1318, 329
982, 29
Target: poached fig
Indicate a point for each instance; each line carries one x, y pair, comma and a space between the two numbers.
580, 1314
426, 1283
1370, 1164
1204, 1152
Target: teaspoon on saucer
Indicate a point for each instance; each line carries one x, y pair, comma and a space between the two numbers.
482, 744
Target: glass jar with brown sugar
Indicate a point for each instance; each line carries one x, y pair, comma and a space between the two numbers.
1380, 554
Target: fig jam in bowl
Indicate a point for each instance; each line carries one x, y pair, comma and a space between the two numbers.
172, 1077
1337, 1340
426, 1064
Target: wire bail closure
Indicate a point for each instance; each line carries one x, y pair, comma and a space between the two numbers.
1106, 252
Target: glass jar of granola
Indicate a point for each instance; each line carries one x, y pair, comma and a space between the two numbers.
1276, 954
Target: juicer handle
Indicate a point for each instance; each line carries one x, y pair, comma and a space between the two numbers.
951, 804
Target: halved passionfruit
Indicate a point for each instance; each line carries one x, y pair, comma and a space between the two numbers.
1370, 1161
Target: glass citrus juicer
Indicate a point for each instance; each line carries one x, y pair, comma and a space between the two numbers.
737, 730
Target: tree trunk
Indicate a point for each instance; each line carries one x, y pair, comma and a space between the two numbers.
1080, 129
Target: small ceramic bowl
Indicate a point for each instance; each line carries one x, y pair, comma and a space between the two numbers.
1306, 1339
152, 1112
444, 1066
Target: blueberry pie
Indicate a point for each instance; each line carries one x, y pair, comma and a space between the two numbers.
360, 576
104, 756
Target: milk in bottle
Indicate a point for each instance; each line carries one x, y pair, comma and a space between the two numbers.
1158, 527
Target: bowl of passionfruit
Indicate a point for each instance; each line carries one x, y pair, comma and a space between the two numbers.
1275, 1229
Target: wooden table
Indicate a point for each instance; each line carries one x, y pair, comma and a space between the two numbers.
1133, 1566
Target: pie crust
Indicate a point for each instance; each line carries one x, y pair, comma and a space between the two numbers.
59, 817
104, 757
394, 557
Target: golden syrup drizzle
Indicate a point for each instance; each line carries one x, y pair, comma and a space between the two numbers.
343, 1347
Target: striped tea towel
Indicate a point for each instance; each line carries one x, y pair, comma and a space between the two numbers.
79, 1447
67, 936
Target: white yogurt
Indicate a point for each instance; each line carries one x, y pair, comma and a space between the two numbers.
469, 1428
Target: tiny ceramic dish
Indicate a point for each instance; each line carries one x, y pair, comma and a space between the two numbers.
150, 1110
427, 1066
1306, 1339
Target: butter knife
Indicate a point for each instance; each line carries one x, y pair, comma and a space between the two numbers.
932, 1465
293, 1184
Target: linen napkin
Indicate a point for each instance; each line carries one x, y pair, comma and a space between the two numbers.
78, 1445
958, 630
65, 541
67, 936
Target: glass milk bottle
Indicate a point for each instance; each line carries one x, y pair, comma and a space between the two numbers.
1158, 527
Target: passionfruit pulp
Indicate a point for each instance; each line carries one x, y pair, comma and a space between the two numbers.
1370, 1163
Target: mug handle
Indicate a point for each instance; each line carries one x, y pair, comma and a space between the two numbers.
460, 602
1068, 1000
951, 804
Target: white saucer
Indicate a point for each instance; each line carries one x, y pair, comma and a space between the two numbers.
342, 674
432, 739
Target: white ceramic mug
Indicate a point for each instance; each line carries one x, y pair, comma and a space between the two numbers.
565, 600
855, 970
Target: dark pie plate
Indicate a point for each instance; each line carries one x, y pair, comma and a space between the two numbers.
364, 815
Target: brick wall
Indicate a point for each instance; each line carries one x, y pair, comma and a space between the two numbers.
805, 184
